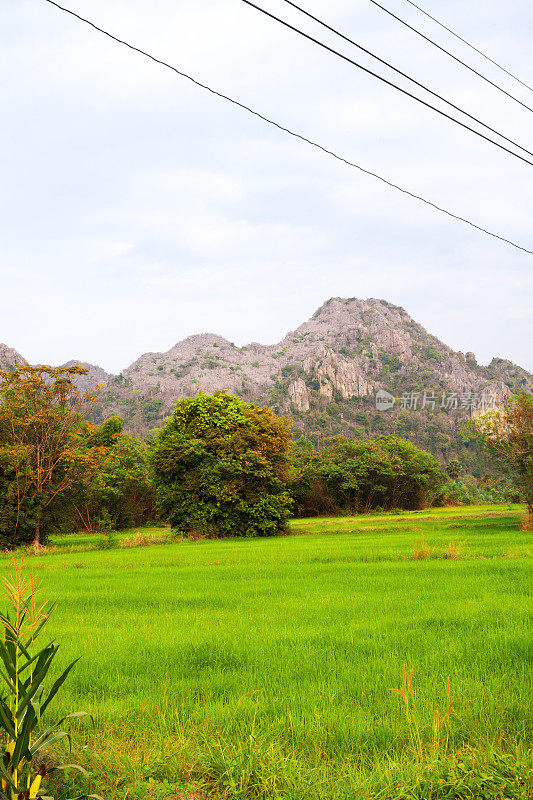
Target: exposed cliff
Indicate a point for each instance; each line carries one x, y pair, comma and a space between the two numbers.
324, 375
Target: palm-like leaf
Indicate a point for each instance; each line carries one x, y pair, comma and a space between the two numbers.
24, 674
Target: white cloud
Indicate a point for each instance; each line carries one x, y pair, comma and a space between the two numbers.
138, 209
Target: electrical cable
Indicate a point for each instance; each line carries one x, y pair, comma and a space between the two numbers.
472, 47
404, 75
451, 55
291, 132
384, 80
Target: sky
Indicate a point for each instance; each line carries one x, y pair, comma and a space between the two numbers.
137, 209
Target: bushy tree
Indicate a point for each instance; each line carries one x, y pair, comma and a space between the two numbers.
45, 448
468, 490
121, 493
507, 435
221, 468
350, 475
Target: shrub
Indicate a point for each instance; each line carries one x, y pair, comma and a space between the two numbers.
221, 468
121, 494
350, 476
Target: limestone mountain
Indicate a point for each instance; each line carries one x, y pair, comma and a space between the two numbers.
349, 348
324, 375
9, 357
96, 376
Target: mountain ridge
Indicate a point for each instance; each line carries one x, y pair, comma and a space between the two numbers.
324, 375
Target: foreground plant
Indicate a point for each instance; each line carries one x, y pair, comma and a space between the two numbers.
439, 723
23, 770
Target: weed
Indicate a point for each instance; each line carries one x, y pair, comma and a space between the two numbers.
109, 542
421, 551
453, 551
439, 740
147, 539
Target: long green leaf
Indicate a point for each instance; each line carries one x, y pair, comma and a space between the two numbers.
43, 665
36, 746
21, 750
48, 742
6, 719
57, 685
68, 766
6, 657
40, 742
22, 649
41, 668
9, 682
6, 775
37, 655
36, 705
35, 633
81, 797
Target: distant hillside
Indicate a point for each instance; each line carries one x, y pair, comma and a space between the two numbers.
9, 357
324, 375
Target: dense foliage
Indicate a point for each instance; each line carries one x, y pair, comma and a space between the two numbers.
59, 472
221, 468
466, 490
350, 476
121, 493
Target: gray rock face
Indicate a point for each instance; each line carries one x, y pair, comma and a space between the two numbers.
349, 349
298, 395
9, 357
96, 376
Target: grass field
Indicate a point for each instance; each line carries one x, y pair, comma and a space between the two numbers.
262, 668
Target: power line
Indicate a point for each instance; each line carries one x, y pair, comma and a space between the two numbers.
451, 55
469, 44
289, 131
404, 75
386, 81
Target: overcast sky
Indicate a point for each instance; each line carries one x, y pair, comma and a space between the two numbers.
137, 209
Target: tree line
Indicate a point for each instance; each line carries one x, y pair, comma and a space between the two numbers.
217, 467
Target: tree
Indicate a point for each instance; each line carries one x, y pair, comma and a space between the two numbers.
121, 493
45, 447
221, 468
507, 436
351, 475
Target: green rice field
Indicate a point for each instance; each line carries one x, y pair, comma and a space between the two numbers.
262, 668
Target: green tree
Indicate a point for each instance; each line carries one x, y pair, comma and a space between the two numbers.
507, 436
221, 468
351, 475
45, 447
121, 494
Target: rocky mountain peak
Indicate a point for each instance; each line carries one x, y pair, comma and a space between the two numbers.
10, 357
322, 374
96, 376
